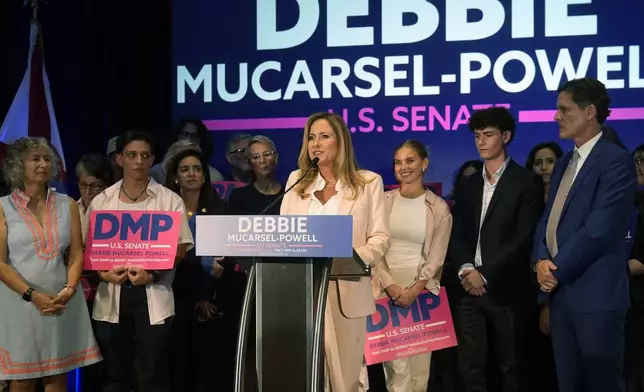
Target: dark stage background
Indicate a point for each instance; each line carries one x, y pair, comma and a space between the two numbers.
108, 63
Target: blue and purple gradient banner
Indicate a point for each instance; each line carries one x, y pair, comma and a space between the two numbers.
274, 236
397, 70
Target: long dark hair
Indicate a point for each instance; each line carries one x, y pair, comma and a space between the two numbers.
206, 192
552, 146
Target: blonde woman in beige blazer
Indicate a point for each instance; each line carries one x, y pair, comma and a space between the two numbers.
338, 187
414, 261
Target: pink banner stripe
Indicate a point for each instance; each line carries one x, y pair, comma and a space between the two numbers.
548, 115
248, 124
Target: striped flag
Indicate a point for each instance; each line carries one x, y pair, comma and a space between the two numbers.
32, 111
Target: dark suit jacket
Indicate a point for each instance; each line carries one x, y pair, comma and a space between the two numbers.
592, 259
506, 234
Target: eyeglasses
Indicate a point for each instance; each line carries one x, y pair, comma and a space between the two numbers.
257, 156
237, 151
94, 186
188, 135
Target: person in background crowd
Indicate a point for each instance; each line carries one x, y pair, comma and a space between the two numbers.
541, 364
541, 159
196, 343
252, 199
133, 307
336, 187
638, 156
158, 171
237, 158
579, 244
634, 355
57, 183
414, 260
94, 173
465, 171
194, 130
45, 329
609, 134
110, 153
489, 256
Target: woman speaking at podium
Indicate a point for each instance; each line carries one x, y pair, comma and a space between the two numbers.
337, 187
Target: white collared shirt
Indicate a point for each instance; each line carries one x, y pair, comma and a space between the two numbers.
584, 150
332, 206
159, 295
488, 191
81, 207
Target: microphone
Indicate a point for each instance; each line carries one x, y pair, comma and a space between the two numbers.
314, 163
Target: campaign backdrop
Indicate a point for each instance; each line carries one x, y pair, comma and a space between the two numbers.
401, 69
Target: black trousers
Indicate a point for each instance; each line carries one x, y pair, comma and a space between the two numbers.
540, 359
133, 337
93, 376
634, 353
488, 330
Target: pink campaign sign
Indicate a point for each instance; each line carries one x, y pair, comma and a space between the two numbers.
144, 239
394, 332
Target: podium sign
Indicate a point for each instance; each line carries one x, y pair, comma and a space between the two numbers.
290, 261
274, 236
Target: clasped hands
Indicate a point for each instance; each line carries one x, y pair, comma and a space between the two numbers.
403, 297
136, 275
52, 305
472, 282
546, 279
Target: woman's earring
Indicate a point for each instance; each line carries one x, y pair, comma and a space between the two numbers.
176, 182
424, 170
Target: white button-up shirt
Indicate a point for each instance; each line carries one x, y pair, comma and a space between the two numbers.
159, 295
332, 206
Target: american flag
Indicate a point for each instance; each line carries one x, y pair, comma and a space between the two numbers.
32, 111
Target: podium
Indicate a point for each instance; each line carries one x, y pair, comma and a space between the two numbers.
290, 260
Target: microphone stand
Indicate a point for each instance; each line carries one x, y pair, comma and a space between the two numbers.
314, 163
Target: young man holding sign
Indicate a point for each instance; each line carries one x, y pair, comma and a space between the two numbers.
133, 305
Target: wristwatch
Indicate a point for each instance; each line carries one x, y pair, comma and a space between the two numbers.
27, 294
534, 264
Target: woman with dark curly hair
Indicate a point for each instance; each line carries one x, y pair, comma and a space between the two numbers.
45, 330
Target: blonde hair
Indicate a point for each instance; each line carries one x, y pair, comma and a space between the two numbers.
345, 166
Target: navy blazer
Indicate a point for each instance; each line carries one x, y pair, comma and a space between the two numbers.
592, 260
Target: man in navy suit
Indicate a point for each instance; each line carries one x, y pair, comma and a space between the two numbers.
581, 261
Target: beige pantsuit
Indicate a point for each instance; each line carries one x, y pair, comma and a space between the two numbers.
349, 302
